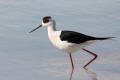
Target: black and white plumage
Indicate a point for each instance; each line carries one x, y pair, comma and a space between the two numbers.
68, 41
75, 37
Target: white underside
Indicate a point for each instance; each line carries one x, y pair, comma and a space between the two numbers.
65, 46
72, 47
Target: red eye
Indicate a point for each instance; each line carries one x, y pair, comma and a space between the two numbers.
45, 20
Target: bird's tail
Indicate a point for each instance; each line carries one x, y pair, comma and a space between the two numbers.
105, 38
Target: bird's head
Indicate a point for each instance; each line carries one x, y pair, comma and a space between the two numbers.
46, 21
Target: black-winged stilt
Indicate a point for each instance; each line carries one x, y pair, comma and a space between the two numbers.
68, 41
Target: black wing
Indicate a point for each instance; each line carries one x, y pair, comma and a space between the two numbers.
75, 37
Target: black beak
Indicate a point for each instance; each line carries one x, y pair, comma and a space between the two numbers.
35, 29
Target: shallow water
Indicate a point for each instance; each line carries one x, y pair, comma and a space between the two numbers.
25, 56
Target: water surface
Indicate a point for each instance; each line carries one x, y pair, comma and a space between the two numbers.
25, 56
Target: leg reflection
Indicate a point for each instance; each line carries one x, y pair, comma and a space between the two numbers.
92, 74
71, 74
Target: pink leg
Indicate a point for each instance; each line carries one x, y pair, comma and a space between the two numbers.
95, 56
71, 61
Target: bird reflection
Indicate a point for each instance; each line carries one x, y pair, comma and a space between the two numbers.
92, 74
72, 71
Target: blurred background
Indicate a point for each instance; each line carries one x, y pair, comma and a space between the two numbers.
25, 56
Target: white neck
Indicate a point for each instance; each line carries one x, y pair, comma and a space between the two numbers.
52, 27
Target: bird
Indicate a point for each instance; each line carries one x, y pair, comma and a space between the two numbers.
69, 41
